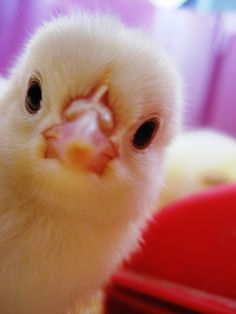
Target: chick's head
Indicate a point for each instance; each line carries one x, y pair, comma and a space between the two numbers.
86, 117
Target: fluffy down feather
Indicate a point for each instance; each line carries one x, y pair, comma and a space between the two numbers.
64, 230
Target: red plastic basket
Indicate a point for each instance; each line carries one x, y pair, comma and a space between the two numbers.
187, 263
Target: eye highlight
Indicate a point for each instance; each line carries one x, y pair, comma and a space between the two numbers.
33, 96
145, 134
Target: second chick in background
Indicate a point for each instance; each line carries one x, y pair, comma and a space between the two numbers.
196, 161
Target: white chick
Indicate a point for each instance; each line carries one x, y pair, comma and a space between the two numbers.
198, 160
86, 116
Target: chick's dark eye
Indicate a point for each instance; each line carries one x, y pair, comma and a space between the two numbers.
145, 134
33, 97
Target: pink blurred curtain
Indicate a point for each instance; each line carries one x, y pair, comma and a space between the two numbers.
202, 44
204, 47
19, 18
190, 38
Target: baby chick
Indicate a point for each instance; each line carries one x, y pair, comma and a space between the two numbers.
198, 160
86, 115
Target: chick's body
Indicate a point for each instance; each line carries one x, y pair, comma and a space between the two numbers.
198, 160
63, 231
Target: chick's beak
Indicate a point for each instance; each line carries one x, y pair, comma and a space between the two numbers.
81, 140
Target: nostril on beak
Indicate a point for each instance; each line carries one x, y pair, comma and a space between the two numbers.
106, 122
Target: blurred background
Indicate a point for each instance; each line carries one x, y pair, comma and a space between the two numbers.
199, 35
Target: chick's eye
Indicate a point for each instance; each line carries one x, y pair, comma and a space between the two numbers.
33, 97
145, 134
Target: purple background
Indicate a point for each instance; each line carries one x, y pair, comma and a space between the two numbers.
202, 44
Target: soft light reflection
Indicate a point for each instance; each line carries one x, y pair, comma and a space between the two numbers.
168, 4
